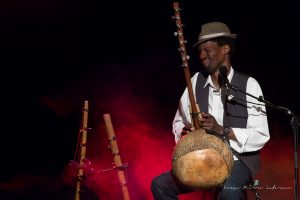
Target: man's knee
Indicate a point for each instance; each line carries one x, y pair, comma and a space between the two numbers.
157, 184
154, 184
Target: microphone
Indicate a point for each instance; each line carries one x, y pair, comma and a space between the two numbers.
223, 76
224, 82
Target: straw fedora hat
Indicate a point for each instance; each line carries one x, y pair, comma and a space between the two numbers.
213, 30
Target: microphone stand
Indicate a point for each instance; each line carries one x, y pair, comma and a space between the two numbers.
295, 123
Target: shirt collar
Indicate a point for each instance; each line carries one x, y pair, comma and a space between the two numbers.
209, 81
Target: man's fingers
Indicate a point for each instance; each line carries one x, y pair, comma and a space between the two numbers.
207, 125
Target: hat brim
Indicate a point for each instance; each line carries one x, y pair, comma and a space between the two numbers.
204, 39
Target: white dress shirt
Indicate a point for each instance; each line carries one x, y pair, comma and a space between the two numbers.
251, 138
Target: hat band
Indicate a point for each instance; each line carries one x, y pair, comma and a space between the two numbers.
213, 35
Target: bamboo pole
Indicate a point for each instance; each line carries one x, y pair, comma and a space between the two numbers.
82, 149
116, 155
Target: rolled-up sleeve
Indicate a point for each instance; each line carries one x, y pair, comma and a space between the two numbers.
182, 117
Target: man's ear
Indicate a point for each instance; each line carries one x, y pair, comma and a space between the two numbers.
226, 49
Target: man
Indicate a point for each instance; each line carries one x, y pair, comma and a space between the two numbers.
241, 119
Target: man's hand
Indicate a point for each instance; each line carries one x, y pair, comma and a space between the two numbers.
187, 129
209, 123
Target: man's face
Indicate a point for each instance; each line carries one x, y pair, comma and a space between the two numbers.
211, 56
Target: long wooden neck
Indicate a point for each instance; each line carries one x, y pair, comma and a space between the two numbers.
195, 111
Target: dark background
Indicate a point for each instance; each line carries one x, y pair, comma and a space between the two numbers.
56, 54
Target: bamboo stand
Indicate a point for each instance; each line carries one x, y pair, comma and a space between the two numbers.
82, 149
116, 155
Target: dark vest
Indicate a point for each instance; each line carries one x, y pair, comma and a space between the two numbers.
235, 112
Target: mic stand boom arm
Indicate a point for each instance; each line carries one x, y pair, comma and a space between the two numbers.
295, 123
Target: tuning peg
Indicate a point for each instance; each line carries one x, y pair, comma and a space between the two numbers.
178, 9
185, 58
184, 65
183, 41
180, 49
175, 17
176, 33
